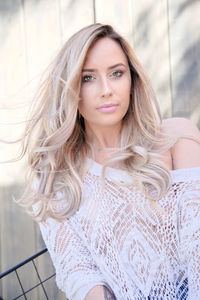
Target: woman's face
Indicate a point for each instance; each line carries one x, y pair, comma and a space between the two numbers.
106, 85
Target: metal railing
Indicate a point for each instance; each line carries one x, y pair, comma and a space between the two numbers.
40, 281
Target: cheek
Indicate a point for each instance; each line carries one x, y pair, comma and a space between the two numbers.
125, 87
87, 90
125, 96
85, 108
81, 95
82, 105
126, 93
87, 99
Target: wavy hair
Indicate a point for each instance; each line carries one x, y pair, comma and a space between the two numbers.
56, 141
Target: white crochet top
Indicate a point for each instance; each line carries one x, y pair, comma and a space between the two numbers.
118, 239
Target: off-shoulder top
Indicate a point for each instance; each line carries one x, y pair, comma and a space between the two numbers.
120, 240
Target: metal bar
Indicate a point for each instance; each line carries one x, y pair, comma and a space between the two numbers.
40, 279
34, 287
23, 263
20, 285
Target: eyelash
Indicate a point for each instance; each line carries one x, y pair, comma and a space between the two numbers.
86, 78
118, 71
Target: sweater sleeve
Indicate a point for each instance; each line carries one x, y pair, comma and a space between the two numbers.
76, 271
190, 235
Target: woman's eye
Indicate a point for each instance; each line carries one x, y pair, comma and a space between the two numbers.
117, 74
87, 78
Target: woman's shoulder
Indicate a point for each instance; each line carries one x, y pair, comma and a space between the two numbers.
186, 151
182, 125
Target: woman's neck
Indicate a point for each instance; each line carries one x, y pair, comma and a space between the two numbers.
103, 142
103, 138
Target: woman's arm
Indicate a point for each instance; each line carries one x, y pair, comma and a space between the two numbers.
100, 292
76, 271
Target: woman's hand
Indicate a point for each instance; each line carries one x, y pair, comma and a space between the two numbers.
100, 292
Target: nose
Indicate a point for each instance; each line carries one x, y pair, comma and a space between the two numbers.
106, 89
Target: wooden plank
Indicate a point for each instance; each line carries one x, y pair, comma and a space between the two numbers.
152, 48
12, 49
13, 75
42, 30
185, 52
43, 40
75, 15
117, 13
25, 62
17, 242
11, 59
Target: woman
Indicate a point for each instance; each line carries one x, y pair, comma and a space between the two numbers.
114, 189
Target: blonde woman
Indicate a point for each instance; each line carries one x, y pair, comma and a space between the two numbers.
115, 189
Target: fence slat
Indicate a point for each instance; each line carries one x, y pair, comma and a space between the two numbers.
74, 15
185, 52
117, 13
151, 45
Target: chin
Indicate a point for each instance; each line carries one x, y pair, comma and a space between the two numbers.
111, 123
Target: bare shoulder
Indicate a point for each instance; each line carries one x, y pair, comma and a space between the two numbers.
180, 126
186, 152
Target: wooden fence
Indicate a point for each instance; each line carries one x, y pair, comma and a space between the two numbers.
165, 35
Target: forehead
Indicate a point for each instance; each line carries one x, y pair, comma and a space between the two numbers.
105, 51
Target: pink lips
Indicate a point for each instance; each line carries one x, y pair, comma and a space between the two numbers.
108, 108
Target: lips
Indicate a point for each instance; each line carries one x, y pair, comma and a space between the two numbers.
108, 107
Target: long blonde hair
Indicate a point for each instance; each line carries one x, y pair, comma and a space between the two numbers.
55, 138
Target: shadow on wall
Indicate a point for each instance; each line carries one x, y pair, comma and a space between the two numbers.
184, 73
187, 89
9, 9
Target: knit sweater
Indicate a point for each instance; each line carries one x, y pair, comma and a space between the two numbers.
120, 240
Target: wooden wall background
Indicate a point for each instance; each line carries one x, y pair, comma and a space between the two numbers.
166, 38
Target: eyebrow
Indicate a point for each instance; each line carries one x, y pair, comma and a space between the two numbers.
109, 68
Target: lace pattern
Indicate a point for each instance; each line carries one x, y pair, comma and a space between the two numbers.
119, 239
